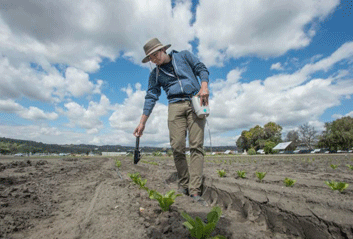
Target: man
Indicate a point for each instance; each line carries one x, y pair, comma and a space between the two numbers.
177, 74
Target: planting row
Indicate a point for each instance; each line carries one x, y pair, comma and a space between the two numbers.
340, 186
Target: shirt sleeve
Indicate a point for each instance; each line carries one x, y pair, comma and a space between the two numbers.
197, 66
152, 94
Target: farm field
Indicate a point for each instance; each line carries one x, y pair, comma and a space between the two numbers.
87, 197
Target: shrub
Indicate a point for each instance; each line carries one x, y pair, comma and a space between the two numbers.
251, 151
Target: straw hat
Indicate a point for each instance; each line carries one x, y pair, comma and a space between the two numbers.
151, 47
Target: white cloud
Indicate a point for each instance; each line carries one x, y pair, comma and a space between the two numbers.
42, 133
287, 99
338, 116
89, 118
50, 86
9, 106
81, 33
277, 66
22, 81
33, 113
78, 82
128, 115
255, 27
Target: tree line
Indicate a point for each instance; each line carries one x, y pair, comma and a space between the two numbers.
338, 135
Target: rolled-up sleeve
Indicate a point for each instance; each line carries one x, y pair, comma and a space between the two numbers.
197, 66
152, 94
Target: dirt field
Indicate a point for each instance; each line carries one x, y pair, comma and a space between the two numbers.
86, 198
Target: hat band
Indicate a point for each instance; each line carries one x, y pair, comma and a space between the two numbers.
151, 50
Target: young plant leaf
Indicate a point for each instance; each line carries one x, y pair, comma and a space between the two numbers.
164, 201
221, 173
241, 174
260, 175
136, 178
198, 228
340, 186
289, 182
334, 166
118, 163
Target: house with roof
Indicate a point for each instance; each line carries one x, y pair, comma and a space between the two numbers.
282, 147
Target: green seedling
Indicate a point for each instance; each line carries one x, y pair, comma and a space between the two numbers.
241, 174
289, 182
118, 163
260, 175
148, 162
136, 178
340, 186
164, 201
334, 166
221, 173
350, 166
200, 230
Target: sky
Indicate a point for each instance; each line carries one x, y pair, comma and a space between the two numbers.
71, 71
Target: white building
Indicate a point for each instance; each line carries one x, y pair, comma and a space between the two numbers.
113, 153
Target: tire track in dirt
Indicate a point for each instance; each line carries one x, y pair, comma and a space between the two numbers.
86, 219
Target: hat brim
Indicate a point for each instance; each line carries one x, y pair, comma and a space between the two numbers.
147, 58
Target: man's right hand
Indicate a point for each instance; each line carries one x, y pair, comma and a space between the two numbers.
138, 132
140, 128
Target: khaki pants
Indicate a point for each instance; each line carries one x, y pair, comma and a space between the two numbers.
182, 119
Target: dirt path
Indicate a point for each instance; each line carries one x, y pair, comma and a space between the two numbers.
87, 198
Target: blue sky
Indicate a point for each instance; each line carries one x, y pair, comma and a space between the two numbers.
71, 71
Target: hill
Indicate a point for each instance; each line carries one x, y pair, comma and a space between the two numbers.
11, 146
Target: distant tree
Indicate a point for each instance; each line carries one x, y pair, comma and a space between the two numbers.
257, 136
4, 148
338, 134
293, 136
273, 132
244, 141
307, 135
